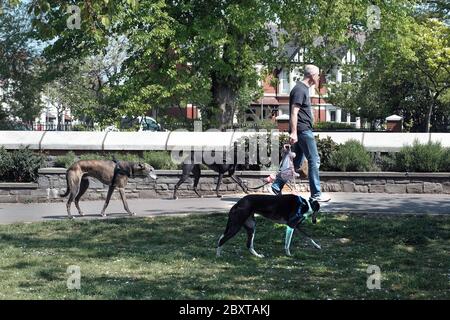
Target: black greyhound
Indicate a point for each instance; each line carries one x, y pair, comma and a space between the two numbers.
289, 209
221, 169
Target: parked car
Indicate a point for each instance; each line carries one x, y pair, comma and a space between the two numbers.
141, 123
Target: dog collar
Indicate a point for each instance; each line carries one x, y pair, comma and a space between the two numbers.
310, 210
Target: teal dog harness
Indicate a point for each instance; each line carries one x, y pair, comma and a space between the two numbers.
300, 216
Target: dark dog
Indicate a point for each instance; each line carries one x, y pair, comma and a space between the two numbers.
288, 209
112, 173
221, 169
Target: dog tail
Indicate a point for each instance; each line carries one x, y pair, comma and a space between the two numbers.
68, 186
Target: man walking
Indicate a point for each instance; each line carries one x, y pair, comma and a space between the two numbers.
301, 134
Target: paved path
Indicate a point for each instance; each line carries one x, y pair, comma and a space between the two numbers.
341, 202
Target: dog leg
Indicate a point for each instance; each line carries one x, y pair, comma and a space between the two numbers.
219, 181
187, 168
197, 173
84, 185
124, 201
287, 242
239, 182
75, 188
108, 197
250, 226
219, 248
68, 204
228, 234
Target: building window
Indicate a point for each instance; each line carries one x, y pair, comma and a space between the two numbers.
344, 116
284, 82
352, 118
333, 116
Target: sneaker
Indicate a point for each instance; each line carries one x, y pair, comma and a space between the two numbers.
321, 198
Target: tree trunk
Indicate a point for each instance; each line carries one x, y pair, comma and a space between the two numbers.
223, 98
433, 98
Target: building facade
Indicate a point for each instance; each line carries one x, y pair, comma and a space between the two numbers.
275, 102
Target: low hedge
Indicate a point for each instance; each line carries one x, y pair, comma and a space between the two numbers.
430, 157
20, 165
351, 156
160, 160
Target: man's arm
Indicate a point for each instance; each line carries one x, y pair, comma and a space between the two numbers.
293, 120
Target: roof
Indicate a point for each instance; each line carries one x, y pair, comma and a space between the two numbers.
394, 117
266, 101
283, 117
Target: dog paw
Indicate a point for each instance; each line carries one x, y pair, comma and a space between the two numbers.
132, 214
81, 214
70, 217
288, 253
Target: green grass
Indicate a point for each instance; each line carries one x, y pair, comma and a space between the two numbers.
174, 258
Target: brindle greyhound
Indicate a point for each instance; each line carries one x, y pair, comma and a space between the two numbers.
112, 173
221, 169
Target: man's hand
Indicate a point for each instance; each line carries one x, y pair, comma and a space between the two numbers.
293, 138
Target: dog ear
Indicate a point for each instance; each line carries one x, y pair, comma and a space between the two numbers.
315, 205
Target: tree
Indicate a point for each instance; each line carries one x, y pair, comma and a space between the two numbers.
21, 66
404, 67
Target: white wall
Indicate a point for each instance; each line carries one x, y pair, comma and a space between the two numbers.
76, 140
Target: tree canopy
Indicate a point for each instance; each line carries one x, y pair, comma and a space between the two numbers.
129, 56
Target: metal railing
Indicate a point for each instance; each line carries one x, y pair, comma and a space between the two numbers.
60, 127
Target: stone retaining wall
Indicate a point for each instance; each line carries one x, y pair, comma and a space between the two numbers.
52, 181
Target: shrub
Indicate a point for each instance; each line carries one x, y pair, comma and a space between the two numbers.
323, 126
445, 165
420, 157
20, 165
65, 161
387, 162
123, 157
94, 156
5, 164
351, 156
326, 148
159, 160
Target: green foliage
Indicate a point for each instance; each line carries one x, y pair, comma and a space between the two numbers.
19, 165
160, 160
332, 126
445, 165
351, 156
420, 157
21, 67
123, 157
326, 148
387, 162
94, 156
66, 160
5, 163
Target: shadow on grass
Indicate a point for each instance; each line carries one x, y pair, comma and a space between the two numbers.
174, 258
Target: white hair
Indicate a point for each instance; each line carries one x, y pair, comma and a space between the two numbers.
310, 70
